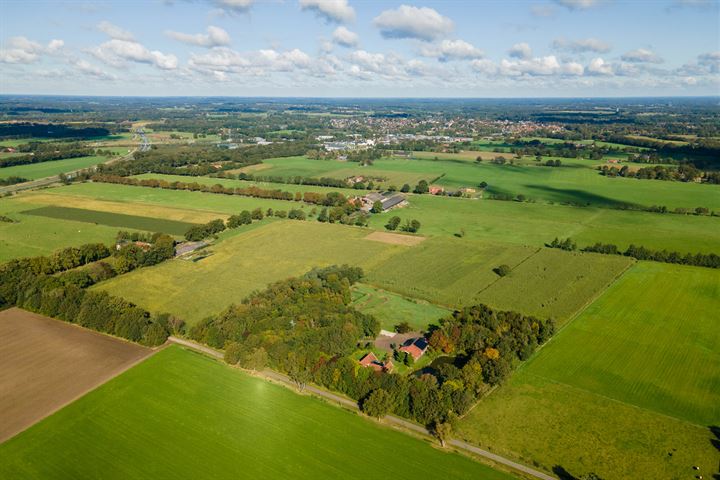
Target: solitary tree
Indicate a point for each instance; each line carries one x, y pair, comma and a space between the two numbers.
405, 188
393, 223
377, 207
442, 431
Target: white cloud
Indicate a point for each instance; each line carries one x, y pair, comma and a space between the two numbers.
331, 10
234, 6
598, 66
520, 50
642, 55
452, 50
113, 31
117, 52
581, 46
346, 38
711, 61
22, 50
85, 67
485, 67
215, 37
578, 4
413, 22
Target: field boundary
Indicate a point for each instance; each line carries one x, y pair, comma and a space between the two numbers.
272, 375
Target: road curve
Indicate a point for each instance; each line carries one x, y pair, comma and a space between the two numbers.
460, 445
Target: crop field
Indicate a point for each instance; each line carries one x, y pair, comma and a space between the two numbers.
47, 363
178, 402
435, 272
111, 219
244, 263
537, 224
390, 308
628, 389
47, 234
48, 169
554, 283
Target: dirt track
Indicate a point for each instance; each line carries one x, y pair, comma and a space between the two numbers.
47, 364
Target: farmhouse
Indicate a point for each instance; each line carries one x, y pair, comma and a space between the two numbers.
370, 360
435, 190
388, 200
415, 347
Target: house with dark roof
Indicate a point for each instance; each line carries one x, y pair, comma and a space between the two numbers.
416, 347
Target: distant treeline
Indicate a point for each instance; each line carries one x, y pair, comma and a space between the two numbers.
12, 180
709, 260
307, 328
43, 152
326, 199
34, 284
50, 130
683, 173
196, 160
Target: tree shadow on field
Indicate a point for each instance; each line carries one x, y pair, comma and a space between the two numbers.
715, 441
582, 197
563, 474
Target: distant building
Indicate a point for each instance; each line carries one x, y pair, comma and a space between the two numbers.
187, 247
435, 190
370, 360
388, 200
416, 347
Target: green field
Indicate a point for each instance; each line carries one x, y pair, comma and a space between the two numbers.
632, 380
554, 283
244, 263
436, 271
390, 308
47, 234
34, 171
181, 415
110, 219
576, 182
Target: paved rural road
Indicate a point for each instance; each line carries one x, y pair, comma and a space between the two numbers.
273, 375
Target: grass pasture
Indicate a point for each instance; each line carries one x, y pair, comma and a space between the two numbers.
47, 363
628, 389
554, 283
244, 263
390, 308
224, 424
120, 220
435, 271
34, 171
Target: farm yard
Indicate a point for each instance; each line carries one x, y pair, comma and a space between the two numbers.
638, 368
47, 363
179, 401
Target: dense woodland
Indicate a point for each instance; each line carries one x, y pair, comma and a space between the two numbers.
37, 152
50, 130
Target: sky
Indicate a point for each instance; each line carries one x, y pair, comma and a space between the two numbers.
361, 48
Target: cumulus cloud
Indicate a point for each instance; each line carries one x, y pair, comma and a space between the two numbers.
215, 37
234, 6
452, 50
346, 38
221, 61
86, 68
22, 50
641, 55
412, 22
331, 10
113, 31
581, 46
598, 66
540, 66
578, 4
484, 66
117, 52
520, 50
710, 61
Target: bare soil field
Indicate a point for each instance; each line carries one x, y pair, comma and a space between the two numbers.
394, 238
47, 364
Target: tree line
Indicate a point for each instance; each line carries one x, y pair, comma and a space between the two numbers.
709, 260
38, 152
683, 173
49, 130
34, 284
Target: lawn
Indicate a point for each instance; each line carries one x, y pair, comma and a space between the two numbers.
628, 389
133, 222
181, 415
244, 263
554, 283
390, 308
48, 169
